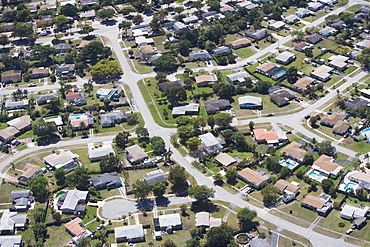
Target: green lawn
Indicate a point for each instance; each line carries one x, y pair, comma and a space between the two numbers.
349, 70
360, 147
5, 192
341, 3
310, 18
241, 155
245, 52
58, 236
3, 126
142, 68
27, 134
354, 8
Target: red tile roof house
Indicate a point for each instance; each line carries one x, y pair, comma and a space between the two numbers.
262, 135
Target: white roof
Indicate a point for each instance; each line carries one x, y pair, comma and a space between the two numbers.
354, 212
100, 151
60, 160
190, 19
130, 232
285, 56
169, 220
209, 139
55, 119
250, 99
139, 32
183, 109
277, 24
72, 199
141, 40
202, 219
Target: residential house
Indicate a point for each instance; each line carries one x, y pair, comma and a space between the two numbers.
326, 167
322, 73
328, 2
190, 19
285, 57
206, 80
30, 171
76, 228
179, 26
226, 161
15, 105
338, 62
11, 76
350, 212
65, 159
365, 93
240, 43
301, 46
341, 127
250, 102
243, 4
294, 151
48, 21
22, 124
211, 16
155, 176
39, 73
10, 221
110, 119
11, 241
51, 6
45, 98
314, 38
8, 134
82, 44
236, 77
253, 5
222, 50
290, 19
301, 12
164, 85
81, 121
7, 27
331, 120
210, 143
97, 153
360, 178
199, 55
259, 242
315, 6
363, 44
269, 137
271, 70
364, 9
258, 34
215, 106
147, 51
131, 234
88, 2
339, 25
168, 222
288, 190
257, 179
106, 180
143, 41
282, 97
302, 83
62, 48
227, 9
355, 104
187, 109
22, 199
64, 69
141, 31
90, 14
276, 25
135, 154
355, 53
76, 98
205, 220
328, 31
322, 204
72, 202
105, 93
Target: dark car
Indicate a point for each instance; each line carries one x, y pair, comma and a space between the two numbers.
93, 200
289, 132
84, 136
307, 116
12, 209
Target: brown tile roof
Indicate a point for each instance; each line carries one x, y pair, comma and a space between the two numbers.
226, 8
83, 43
356, 175
13, 76
325, 163
252, 176
72, 95
203, 78
333, 118
48, 6
313, 201
76, 122
266, 66
300, 45
242, 41
262, 134
225, 159
8, 132
146, 49
302, 83
294, 150
74, 227
29, 170
285, 185
39, 71
24, 121
341, 126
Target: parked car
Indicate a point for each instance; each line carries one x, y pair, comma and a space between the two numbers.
32, 85
288, 132
84, 136
12, 209
16, 142
270, 114
93, 200
307, 116
349, 231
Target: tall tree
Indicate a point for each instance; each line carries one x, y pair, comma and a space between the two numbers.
44, 129
38, 187
201, 193
175, 95
177, 176
125, 25
4, 40
141, 189
270, 194
159, 188
78, 179
121, 139
245, 217
223, 120
219, 236
109, 163
22, 29
158, 144
105, 13
106, 68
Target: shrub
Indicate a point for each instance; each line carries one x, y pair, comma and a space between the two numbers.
341, 224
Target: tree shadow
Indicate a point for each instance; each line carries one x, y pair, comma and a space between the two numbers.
89, 37
162, 202
147, 204
109, 22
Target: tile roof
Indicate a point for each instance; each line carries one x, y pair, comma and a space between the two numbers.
252, 176
326, 164
313, 201
74, 227
294, 150
263, 134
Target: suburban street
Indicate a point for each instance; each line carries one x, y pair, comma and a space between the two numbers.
131, 79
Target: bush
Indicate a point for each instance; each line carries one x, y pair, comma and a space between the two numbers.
341, 224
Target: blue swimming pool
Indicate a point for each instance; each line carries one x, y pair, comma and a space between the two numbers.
350, 186
76, 115
365, 134
288, 164
316, 175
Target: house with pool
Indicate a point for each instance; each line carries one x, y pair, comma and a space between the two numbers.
355, 180
323, 168
322, 204
293, 155
65, 159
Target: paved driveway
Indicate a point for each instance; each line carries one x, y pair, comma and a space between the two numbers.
116, 208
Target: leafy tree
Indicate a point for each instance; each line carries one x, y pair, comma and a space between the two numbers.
105, 13
137, 19
141, 189
262, 87
43, 129
39, 231
86, 29
79, 179
38, 187
364, 57
106, 68
193, 143
109, 163
142, 132
211, 121
272, 163
61, 21
292, 75
175, 95
95, 51
132, 118
219, 236
165, 63
313, 121
69, 10
308, 52
245, 217
59, 174
270, 194
362, 194
231, 175
169, 243
125, 25
128, 10
177, 176
224, 90
193, 242
284, 172
57, 216
184, 46
308, 159
325, 147
159, 188
121, 139
326, 184
43, 53
22, 29
54, 105
158, 144
223, 120
4, 40
185, 132
155, 25
201, 193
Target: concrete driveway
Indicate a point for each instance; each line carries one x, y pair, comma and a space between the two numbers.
118, 207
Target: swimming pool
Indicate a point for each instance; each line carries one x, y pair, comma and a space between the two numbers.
365, 134
288, 164
76, 115
59, 194
350, 186
316, 175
